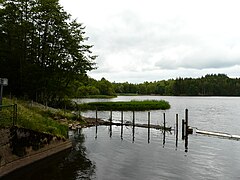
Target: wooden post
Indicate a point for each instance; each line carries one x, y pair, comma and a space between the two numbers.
149, 127
176, 125
183, 128
133, 131
110, 129
148, 119
133, 117
164, 121
176, 131
111, 116
96, 116
186, 121
122, 117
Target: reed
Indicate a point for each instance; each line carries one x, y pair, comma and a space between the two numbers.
126, 106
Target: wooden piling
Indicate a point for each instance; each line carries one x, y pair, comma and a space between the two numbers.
96, 116
183, 128
111, 116
176, 130
164, 121
186, 121
133, 117
121, 117
149, 119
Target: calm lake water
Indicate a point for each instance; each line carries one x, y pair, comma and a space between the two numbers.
136, 153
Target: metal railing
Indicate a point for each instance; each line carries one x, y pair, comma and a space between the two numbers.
8, 115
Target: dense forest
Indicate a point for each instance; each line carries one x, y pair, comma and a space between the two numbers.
44, 55
209, 85
42, 50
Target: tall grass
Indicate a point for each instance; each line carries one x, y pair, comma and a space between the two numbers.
127, 106
37, 118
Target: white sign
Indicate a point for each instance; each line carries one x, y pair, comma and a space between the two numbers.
4, 81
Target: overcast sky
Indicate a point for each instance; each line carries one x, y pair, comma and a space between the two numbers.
148, 40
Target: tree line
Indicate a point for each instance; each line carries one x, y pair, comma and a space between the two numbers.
209, 85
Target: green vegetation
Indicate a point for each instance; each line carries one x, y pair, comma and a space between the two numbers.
43, 51
209, 85
37, 117
127, 106
98, 96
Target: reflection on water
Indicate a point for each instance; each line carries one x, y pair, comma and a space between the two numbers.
129, 152
126, 152
73, 164
163, 132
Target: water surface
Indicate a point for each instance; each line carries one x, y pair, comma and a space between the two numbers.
116, 152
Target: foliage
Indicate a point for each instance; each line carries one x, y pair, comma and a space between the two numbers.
210, 85
42, 50
126, 106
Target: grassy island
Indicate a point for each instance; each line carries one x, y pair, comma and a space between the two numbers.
127, 106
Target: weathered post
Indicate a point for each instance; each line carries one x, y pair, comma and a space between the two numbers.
176, 131
121, 125
110, 129
149, 118
176, 125
186, 121
96, 116
133, 117
111, 116
183, 128
122, 117
164, 121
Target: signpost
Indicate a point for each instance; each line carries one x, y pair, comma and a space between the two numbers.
3, 82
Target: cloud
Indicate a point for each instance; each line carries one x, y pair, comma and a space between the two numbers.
160, 38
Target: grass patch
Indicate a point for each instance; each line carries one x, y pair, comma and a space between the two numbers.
99, 96
36, 117
126, 106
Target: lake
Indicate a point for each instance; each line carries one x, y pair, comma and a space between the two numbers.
115, 152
